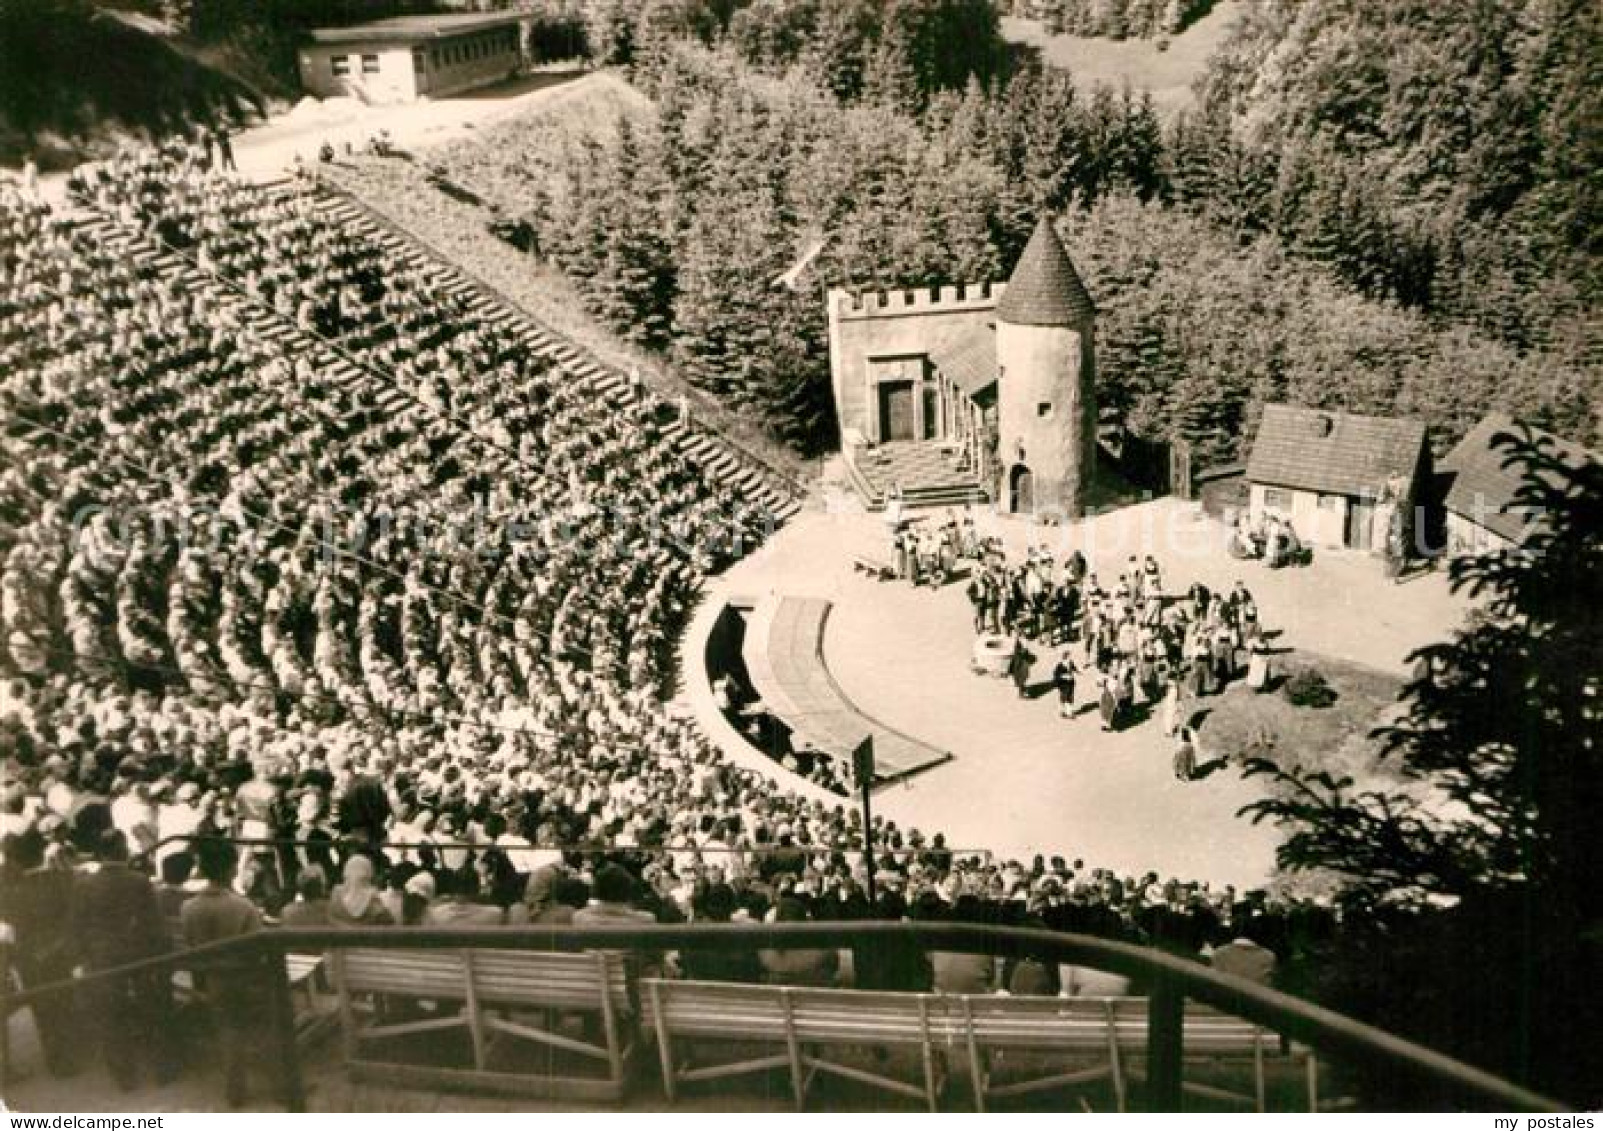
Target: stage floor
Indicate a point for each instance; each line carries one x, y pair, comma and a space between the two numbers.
1023, 780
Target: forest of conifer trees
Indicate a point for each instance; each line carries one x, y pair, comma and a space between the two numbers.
1266, 245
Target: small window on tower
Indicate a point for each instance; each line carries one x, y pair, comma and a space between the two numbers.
1044, 409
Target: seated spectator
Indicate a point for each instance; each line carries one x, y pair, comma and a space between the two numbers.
310, 905
717, 905
1030, 977
570, 894
959, 972
460, 903
796, 967
356, 902
612, 901
417, 900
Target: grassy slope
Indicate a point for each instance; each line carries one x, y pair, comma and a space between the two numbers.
1243, 724
75, 80
1168, 73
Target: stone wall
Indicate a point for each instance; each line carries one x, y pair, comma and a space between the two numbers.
887, 324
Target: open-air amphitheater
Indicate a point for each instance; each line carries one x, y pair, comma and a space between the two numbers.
316, 544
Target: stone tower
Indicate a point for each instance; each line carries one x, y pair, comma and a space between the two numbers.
1046, 377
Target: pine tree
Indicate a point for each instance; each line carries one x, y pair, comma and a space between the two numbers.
889, 79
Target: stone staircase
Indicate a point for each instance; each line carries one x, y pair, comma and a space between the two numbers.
925, 473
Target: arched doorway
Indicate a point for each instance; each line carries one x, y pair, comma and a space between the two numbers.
1021, 489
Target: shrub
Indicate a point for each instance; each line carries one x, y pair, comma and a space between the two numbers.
1307, 688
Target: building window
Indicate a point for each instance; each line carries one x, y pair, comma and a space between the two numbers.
1276, 499
370, 64
1044, 410
341, 65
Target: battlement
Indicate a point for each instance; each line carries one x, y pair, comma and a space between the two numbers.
847, 305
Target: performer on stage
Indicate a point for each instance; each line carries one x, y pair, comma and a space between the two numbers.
1063, 680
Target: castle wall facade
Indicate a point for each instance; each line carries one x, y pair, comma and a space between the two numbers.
887, 336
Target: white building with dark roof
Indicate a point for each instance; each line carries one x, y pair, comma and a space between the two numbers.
411, 57
1484, 511
1337, 476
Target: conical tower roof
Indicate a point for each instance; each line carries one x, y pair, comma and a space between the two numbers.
1045, 289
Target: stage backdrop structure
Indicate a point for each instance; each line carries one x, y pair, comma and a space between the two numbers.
958, 394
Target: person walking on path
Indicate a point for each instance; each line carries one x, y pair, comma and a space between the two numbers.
1018, 667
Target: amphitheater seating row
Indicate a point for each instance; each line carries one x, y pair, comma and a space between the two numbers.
585, 1011
488, 305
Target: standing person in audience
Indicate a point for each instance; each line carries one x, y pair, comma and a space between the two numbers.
173, 892
225, 148
1108, 700
32, 897
1185, 755
1244, 957
235, 992
116, 921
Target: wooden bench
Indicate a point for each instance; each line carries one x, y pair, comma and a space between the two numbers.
1113, 1033
1092, 1033
802, 1030
490, 993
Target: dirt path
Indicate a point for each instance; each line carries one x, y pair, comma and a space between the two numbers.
267, 151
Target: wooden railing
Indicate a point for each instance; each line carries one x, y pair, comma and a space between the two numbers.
1171, 981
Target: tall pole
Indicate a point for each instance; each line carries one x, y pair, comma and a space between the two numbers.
863, 769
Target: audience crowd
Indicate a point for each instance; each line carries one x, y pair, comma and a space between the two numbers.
237, 600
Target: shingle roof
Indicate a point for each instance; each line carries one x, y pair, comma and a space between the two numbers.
1045, 289
970, 361
1336, 453
1483, 490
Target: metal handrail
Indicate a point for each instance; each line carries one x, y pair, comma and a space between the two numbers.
1172, 981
